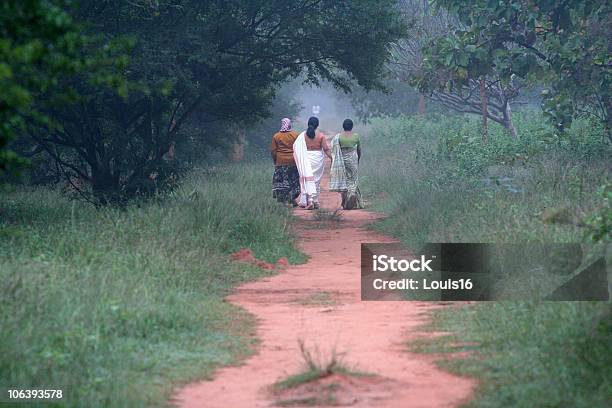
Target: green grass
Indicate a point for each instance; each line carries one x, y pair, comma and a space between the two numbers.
313, 374
437, 183
318, 299
296, 380
117, 306
530, 354
317, 366
433, 195
299, 402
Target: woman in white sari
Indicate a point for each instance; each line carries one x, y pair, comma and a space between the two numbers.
309, 151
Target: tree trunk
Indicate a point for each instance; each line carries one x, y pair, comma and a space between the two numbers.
608, 120
508, 123
104, 184
237, 150
484, 109
172, 150
421, 108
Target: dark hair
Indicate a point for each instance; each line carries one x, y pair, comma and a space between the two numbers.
347, 124
313, 124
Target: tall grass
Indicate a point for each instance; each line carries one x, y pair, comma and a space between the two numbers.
531, 354
438, 182
117, 306
441, 184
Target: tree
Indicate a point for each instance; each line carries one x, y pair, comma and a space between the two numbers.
39, 44
412, 62
564, 44
397, 98
196, 64
424, 27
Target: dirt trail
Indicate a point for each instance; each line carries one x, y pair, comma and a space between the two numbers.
319, 303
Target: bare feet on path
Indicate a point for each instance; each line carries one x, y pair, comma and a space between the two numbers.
318, 303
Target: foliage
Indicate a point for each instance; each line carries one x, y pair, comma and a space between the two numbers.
435, 185
600, 223
564, 44
455, 189
198, 70
455, 138
411, 64
284, 105
118, 306
40, 44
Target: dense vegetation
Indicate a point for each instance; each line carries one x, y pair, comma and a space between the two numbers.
187, 74
561, 44
487, 57
39, 45
118, 306
115, 103
437, 182
483, 190
547, 354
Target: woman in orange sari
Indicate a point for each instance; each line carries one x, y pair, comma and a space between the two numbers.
286, 179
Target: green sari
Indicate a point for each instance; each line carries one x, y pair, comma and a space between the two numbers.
345, 174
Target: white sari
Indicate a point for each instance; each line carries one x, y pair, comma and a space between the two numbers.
310, 164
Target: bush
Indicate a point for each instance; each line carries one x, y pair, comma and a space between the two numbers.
457, 139
441, 183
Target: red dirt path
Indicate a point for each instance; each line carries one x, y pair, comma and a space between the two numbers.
371, 336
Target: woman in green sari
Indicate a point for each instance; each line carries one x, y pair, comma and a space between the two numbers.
346, 152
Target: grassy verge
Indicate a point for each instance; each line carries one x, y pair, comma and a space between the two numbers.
117, 306
530, 354
437, 182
